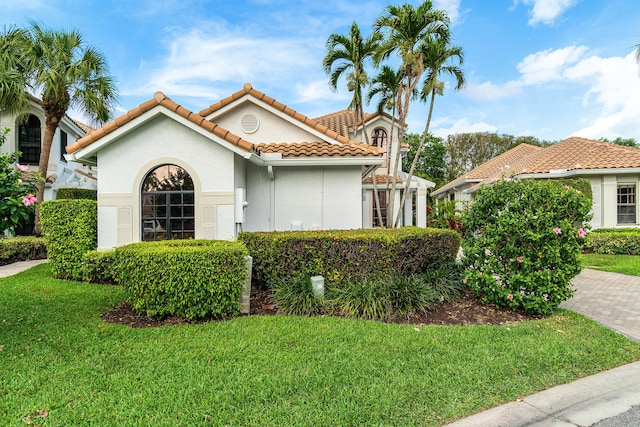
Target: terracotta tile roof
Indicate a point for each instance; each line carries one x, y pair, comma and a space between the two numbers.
579, 153
159, 98
247, 89
573, 153
381, 179
343, 120
315, 149
84, 127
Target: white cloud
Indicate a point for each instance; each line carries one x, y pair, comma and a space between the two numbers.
492, 91
546, 11
463, 126
452, 7
549, 65
317, 90
201, 60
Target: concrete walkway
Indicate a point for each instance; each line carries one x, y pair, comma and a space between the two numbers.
607, 399
17, 267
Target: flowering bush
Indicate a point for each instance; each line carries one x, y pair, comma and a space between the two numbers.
16, 194
522, 243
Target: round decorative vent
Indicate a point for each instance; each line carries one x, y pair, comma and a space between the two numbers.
249, 123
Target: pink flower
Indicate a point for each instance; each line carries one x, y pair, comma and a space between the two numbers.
23, 168
507, 179
566, 187
510, 296
464, 281
29, 200
557, 230
582, 234
494, 179
519, 259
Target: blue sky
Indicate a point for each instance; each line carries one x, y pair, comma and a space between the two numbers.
547, 68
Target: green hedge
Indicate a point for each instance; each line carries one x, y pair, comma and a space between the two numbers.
21, 248
348, 255
77, 193
614, 241
99, 267
186, 278
69, 228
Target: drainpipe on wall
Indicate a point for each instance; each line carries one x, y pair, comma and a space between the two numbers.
272, 191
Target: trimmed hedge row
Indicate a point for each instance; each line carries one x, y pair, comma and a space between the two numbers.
186, 278
77, 193
348, 255
21, 248
69, 228
614, 241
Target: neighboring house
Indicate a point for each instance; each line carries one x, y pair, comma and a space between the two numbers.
246, 163
25, 135
612, 170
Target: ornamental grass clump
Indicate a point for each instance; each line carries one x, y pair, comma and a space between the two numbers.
522, 243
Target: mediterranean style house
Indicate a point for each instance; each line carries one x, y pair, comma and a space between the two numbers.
612, 170
25, 135
247, 162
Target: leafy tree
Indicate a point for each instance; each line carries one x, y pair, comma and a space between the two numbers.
16, 192
625, 142
405, 30
431, 164
60, 69
346, 56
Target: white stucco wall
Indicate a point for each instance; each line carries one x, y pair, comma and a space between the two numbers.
124, 163
317, 198
272, 128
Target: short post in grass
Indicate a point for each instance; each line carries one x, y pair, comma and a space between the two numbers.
317, 285
245, 298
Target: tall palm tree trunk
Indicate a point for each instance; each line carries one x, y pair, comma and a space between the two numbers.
396, 164
376, 196
423, 139
50, 126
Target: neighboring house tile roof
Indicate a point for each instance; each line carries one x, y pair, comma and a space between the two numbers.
84, 127
572, 154
345, 122
324, 149
382, 179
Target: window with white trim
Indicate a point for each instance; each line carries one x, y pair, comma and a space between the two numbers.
626, 203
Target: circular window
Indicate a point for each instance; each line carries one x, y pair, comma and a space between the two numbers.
249, 123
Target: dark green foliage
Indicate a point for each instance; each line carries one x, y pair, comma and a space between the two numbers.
522, 242
614, 241
99, 267
343, 256
69, 228
186, 278
581, 184
77, 193
21, 249
296, 297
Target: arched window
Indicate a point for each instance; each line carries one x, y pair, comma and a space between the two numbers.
379, 138
29, 140
168, 208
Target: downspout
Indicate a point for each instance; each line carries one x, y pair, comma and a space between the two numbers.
272, 191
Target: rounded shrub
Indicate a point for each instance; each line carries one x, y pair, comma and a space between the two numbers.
522, 242
188, 278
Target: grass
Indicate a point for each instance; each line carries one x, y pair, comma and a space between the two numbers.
625, 264
62, 366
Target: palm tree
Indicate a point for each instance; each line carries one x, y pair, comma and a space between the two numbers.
348, 55
439, 58
65, 73
404, 30
387, 87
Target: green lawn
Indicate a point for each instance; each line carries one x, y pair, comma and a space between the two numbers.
61, 366
625, 264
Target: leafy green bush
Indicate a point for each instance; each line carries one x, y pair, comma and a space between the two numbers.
296, 297
77, 193
614, 241
16, 190
21, 249
522, 242
99, 267
69, 228
187, 278
348, 255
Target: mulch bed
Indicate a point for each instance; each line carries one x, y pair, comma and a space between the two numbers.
465, 311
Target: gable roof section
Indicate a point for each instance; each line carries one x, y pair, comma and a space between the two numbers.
571, 154
247, 89
312, 149
159, 99
343, 120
